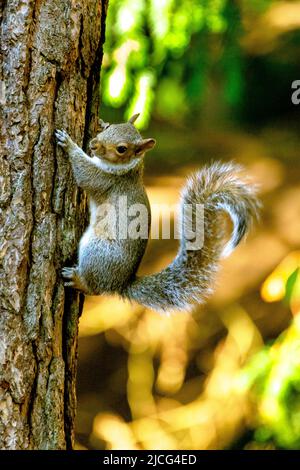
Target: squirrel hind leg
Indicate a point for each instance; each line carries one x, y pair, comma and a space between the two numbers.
74, 279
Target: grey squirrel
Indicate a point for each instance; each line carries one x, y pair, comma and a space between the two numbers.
108, 264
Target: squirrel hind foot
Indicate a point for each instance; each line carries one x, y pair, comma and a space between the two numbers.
73, 279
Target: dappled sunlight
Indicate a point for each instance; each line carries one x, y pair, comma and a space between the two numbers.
275, 286
114, 431
168, 424
217, 82
272, 383
242, 330
181, 375
265, 30
250, 262
102, 313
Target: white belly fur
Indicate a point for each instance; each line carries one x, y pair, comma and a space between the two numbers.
86, 237
89, 233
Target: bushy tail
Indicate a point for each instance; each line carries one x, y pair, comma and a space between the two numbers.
189, 278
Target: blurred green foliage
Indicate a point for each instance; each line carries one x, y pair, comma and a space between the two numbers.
189, 59
273, 377
159, 53
172, 58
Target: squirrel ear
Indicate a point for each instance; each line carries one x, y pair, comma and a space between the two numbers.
134, 118
102, 125
145, 145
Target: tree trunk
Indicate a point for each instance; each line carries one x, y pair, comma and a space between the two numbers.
51, 53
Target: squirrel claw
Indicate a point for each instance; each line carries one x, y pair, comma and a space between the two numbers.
73, 279
68, 273
62, 138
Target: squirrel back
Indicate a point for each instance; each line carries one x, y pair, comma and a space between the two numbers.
189, 278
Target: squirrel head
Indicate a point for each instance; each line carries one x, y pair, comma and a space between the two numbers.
120, 144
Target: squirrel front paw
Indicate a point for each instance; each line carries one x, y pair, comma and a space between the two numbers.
63, 139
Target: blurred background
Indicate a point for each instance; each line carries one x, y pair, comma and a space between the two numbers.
213, 81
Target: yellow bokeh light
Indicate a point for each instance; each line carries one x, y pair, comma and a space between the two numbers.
115, 431
269, 408
273, 289
117, 82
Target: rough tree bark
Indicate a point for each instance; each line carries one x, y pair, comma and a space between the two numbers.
51, 53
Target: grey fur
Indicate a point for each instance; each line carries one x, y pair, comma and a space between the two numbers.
110, 265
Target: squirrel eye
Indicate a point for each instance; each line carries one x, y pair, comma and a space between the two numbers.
121, 149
